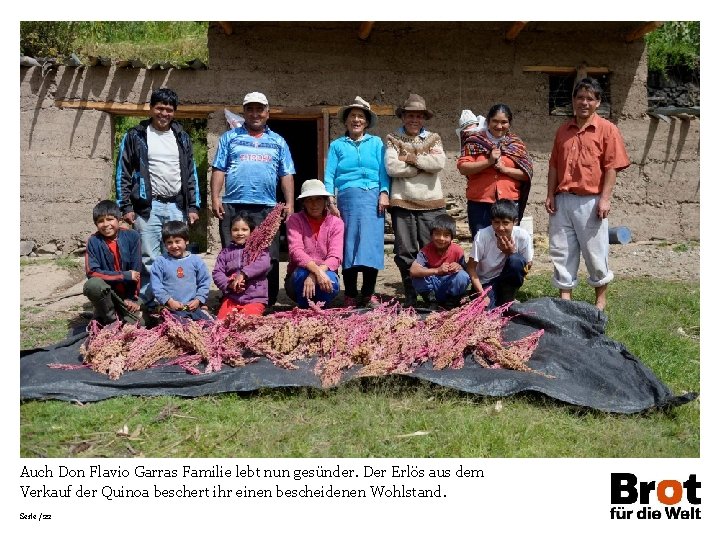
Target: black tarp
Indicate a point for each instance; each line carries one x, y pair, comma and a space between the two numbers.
588, 369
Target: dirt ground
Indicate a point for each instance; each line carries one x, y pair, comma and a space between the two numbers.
49, 291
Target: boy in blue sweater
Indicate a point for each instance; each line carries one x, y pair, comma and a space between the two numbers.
112, 265
180, 280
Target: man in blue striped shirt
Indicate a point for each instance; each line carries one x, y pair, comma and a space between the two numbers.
249, 162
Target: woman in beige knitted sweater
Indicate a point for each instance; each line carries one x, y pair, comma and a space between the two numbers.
414, 158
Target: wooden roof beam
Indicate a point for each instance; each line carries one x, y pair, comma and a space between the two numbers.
365, 29
200, 110
640, 31
514, 30
226, 26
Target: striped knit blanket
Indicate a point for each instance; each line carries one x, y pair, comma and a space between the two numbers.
477, 143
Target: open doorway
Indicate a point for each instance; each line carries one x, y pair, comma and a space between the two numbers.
302, 139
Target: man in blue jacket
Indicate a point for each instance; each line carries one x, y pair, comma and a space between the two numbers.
156, 177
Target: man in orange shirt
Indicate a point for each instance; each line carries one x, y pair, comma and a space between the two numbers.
587, 154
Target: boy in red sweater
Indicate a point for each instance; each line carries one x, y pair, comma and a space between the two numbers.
112, 265
438, 272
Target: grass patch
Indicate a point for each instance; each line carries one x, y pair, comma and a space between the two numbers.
38, 333
177, 51
68, 262
150, 41
376, 417
365, 419
31, 261
675, 43
685, 247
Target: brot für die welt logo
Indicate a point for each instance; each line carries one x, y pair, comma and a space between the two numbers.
680, 498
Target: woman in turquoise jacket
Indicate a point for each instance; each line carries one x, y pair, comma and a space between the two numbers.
356, 171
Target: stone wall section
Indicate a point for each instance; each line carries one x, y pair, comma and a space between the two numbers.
65, 168
66, 162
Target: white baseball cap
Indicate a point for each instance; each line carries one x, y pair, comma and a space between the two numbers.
255, 97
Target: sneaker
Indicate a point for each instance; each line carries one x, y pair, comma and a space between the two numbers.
349, 302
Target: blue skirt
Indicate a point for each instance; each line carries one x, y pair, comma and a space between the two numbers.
364, 243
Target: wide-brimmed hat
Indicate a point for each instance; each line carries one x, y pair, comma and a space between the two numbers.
414, 102
313, 188
359, 103
255, 97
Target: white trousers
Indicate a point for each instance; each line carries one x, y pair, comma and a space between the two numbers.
575, 228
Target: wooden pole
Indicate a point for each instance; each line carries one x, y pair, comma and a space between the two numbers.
561, 70
514, 30
642, 30
365, 29
227, 27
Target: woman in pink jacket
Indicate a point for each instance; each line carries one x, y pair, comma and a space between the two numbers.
315, 243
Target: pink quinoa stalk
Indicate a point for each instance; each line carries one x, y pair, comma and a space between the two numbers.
387, 339
188, 362
67, 367
148, 349
104, 348
187, 334
263, 235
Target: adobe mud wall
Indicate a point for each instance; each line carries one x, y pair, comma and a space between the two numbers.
65, 154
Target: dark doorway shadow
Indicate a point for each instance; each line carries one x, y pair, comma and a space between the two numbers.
301, 137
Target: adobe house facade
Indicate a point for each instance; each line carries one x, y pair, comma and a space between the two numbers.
309, 69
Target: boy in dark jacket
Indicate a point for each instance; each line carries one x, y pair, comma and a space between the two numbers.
112, 265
